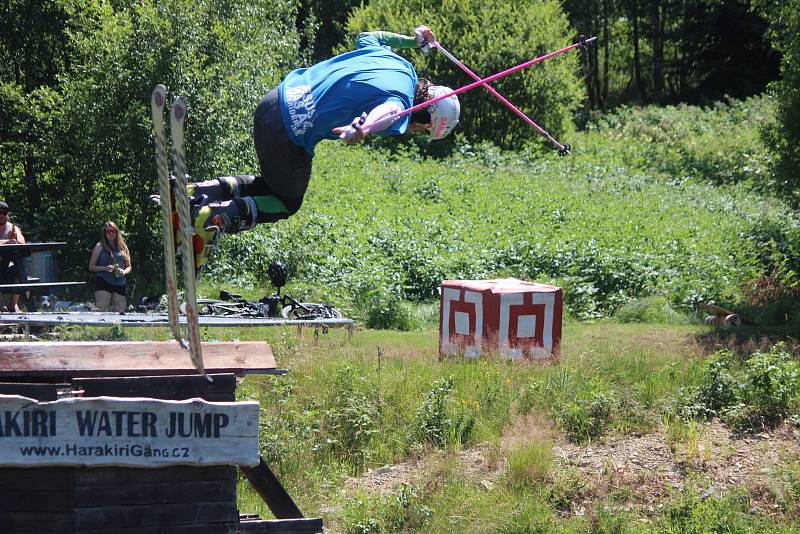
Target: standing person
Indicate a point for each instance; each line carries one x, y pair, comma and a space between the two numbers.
111, 263
12, 266
330, 100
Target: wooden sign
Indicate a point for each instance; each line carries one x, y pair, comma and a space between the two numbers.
130, 432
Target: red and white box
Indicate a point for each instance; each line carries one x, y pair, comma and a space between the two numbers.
510, 317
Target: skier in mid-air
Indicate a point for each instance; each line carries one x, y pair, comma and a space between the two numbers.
330, 100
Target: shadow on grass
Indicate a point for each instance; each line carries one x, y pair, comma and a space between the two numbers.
744, 341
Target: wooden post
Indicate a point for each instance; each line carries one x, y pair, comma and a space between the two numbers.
271, 491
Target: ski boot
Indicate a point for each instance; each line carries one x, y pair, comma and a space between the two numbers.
210, 221
219, 190
200, 193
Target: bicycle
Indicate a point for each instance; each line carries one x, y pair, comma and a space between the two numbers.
277, 305
286, 306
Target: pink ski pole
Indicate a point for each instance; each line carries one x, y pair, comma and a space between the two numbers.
484, 81
562, 149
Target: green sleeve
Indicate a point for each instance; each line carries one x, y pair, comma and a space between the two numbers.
394, 40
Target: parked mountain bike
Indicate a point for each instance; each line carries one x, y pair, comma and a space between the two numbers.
277, 305
286, 306
271, 306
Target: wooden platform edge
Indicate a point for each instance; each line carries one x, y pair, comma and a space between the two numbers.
256, 525
132, 358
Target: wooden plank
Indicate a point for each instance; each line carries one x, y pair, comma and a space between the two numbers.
128, 475
165, 515
307, 525
9, 248
271, 490
175, 387
35, 522
137, 358
217, 528
40, 392
32, 480
155, 493
159, 320
44, 501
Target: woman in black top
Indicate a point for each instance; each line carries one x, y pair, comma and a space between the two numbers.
111, 263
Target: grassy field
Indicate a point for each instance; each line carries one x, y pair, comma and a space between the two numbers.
636, 428
648, 422
479, 446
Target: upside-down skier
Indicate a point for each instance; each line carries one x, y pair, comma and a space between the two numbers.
330, 100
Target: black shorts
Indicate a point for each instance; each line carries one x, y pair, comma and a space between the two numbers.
285, 165
102, 285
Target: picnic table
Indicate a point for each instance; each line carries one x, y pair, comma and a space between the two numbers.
33, 286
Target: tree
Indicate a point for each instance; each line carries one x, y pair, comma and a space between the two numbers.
95, 155
670, 51
33, 52
322, 23
784, 136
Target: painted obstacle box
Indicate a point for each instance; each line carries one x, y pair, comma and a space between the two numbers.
510, 317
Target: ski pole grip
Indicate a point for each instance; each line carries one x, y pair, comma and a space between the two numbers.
423, 44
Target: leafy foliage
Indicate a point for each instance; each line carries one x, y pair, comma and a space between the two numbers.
630, 215
439, 421
752, 396
586, 418
88, 135
784, 136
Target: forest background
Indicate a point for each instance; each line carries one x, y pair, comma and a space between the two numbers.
685, 96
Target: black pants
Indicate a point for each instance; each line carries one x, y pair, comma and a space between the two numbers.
12, 266
285, 166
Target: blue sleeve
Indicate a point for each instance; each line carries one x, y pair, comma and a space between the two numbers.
366, 39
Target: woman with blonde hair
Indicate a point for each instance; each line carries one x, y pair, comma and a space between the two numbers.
111, 263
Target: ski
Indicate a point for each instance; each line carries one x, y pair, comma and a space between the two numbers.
177, 118
157, 100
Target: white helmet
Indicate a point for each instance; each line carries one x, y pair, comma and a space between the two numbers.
444, 113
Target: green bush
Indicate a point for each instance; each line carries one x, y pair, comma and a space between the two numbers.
586, 418
439, 421
610, 225
783, 136
651, 310
350, 418
757, 394
403, 511
770, 384
381, 307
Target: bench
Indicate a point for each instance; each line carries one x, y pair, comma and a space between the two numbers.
33, 286
36, 288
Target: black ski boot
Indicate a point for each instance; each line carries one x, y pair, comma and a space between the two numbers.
211, 220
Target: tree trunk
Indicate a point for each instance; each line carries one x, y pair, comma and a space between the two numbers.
658, 49
606, 39
637, 58
34, 194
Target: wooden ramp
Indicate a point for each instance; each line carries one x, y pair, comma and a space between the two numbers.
144, 358
196, 499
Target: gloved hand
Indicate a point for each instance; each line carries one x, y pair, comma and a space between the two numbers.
424, 35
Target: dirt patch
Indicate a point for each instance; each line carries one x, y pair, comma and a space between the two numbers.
639, 472
478, 464
745, 342
643, 470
